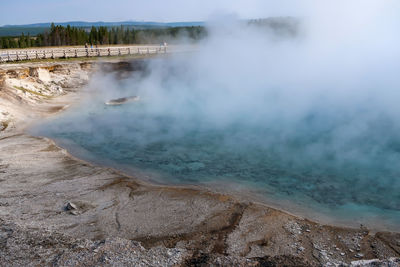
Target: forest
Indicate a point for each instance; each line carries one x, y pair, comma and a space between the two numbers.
58, 35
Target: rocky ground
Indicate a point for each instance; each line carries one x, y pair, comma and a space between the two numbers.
58, 210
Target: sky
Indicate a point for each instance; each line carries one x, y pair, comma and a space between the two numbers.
37, 11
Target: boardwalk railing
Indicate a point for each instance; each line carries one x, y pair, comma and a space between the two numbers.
53, 53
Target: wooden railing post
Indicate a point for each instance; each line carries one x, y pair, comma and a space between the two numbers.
26, 54
8, 56
119, 51
76, 53
109, 52
37, 56
52, 54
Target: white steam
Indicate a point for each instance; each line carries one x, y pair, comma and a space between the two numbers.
317, 111
336, 81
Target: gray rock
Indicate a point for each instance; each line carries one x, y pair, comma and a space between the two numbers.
70, 206
74, 212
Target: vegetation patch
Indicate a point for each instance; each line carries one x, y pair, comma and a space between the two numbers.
31, 92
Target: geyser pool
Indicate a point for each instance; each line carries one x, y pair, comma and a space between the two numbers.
301, 167
308, 118
302, 111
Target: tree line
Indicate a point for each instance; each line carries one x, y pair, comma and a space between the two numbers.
59, 35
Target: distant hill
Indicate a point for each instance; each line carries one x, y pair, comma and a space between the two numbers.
34, 29
16, 31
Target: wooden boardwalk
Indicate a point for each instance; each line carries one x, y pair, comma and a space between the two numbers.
54, 53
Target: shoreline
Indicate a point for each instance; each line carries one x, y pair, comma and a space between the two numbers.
114, 204
234, 190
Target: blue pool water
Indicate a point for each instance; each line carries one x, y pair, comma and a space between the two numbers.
304, 144
305, 168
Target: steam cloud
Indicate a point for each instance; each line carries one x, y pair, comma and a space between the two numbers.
324, 101
334, 84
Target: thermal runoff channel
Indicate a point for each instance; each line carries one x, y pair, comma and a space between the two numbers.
306, 111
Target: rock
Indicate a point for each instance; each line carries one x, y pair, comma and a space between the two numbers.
123, 100
70, 206
359, 255
74, 212
301, 248
391, 262
342, 254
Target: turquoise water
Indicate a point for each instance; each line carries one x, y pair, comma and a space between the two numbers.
306, 144
360, 185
